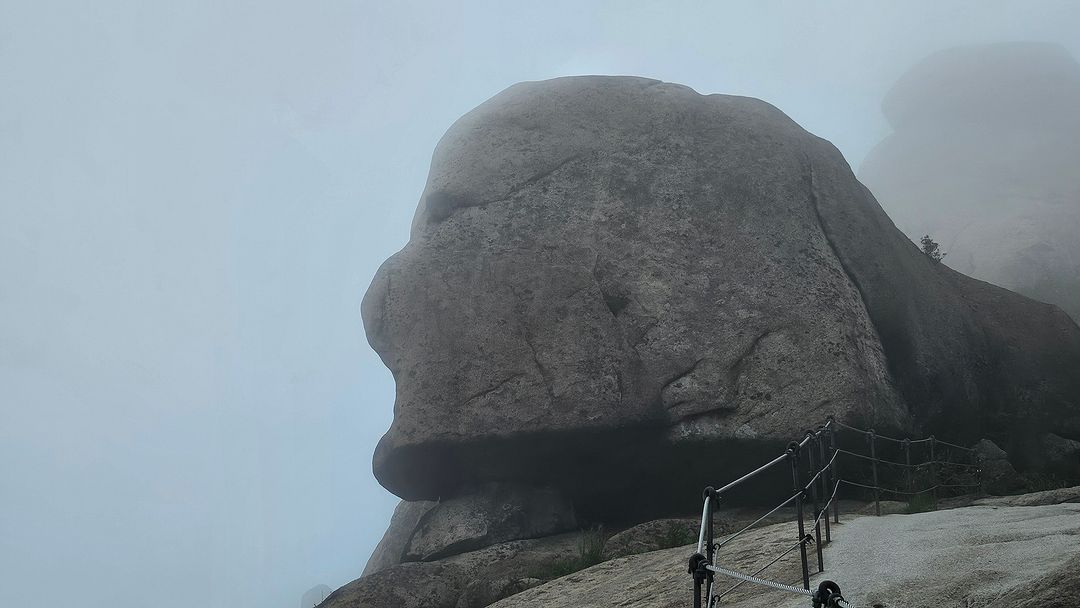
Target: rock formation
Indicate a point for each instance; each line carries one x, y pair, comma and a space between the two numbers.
617, 290
605, 270
983, 157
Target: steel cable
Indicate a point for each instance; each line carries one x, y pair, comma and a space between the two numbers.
825, 508
757, 521
940, 485
904, 464
953, 445
750, 577
887, 438
820, 471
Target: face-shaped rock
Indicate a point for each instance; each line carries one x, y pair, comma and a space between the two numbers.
597, 256
607, 275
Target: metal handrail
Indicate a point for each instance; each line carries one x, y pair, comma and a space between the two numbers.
703, 566
757, 521
754, 473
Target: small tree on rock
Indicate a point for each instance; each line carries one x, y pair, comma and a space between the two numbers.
931, 249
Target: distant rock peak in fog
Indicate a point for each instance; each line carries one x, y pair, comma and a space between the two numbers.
984, 158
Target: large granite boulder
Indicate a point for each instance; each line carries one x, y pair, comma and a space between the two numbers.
983, 157
615, 282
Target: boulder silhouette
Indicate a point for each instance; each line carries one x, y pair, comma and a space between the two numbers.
617, 283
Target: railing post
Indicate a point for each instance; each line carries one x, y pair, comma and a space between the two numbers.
698, 561
826, 483
933, 468
793, 453
977, 459
907, 463
813, 468
835, 470
873, 462
710, 549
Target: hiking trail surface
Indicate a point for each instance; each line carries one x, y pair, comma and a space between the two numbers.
988, 555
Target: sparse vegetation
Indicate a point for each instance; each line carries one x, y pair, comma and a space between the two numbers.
921, 503
931, 249
590, 552
676, 535
1039, 482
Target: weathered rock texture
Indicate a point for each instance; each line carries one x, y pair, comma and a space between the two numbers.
476, 518
1034, 499
391, 549
983, 157
469, 580
615, 282
493, 513
975, 556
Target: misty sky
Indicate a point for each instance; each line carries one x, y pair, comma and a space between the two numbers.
194, 197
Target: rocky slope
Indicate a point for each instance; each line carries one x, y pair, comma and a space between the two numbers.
983, 157
989, 556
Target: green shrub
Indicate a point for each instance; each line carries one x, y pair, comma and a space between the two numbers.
921, 503
590, 552
931, 249
676, 535
1040, 482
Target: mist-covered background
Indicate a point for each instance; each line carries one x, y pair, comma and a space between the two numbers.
194, 197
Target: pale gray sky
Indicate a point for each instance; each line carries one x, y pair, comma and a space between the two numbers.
194, 196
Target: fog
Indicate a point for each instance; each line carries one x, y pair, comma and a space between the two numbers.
194, 197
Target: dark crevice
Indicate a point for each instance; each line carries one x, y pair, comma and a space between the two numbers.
537, 177
681, 375
488, 391
716, 411
440, 205
740, 361
527, 337
539, 366
605, 463
814, 203
615, 303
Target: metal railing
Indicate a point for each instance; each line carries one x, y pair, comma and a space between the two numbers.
815, 482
